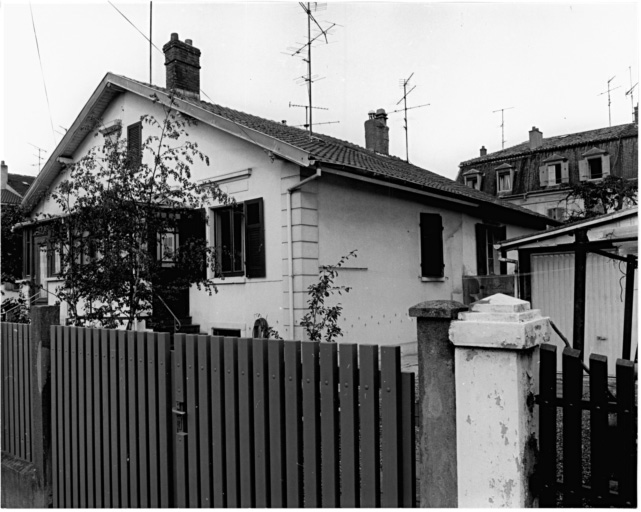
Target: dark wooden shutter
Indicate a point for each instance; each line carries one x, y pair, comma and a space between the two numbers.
134, 144
431, 245
192, 228
254, 239
481, 250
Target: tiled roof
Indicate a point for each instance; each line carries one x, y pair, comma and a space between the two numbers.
341, 153
561, 141
8, 197
20, 182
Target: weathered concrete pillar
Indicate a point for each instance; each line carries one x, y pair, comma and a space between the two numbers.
437, 403
496, 441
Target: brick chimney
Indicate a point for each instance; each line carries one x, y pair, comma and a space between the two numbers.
483, 151
182, 62
5, 175
536, 138
377, 132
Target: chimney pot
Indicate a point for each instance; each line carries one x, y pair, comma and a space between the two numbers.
377, 132
189, 42
536, 138
483, 151
174, 36
5, 174
182, 66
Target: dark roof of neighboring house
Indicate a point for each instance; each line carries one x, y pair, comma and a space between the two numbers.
8, 197
20, 182
559, 142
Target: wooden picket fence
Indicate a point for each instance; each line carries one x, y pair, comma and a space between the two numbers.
611, 477
228, 422
16, 390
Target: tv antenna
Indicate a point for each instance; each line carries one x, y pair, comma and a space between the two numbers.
631, 92
309, 79
38, 156
404, 83
306, 107
609, 100
501, 110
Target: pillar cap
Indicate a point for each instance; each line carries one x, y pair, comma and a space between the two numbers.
438, 309
500, 303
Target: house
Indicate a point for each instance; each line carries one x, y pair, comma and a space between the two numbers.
547, 268
302, 201
536, 174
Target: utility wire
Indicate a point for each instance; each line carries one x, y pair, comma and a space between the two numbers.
33, 23
139, 31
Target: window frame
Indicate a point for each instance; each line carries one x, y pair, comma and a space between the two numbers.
501, 174
485, 245
432, 257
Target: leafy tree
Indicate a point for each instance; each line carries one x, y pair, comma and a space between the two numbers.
120, 208
11, 243
594, 198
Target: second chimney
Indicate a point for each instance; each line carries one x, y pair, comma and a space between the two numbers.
182, 65
483, 151
536, 138
5, 175
377, 132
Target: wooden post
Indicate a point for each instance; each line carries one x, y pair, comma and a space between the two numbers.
631, 263
580, 258
495, 373
437, 403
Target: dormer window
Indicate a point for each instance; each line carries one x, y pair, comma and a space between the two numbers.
473, 178
595, 165
504, 178
554, 171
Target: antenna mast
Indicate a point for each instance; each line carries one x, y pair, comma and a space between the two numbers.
609, 100
307, 116
630, 92
501, 110
38, 156
404, 83
150, 11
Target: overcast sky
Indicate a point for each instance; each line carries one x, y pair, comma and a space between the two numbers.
548, 61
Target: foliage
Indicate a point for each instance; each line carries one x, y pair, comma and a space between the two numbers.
117, 204
610, 194
15, 309
11, 243
321, 320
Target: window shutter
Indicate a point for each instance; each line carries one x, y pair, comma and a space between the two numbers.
192, 227
481, 244
431, 245
134, 144
543, 175
565, 172
605, 161
584, 170
254, 239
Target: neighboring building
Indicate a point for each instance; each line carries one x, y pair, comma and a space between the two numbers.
302, 201
546, 265
14, 186
536, 174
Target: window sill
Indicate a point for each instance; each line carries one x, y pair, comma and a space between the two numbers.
433, 279
230, 280
53, 278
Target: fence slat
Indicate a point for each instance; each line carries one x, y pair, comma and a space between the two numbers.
164, 416
98, 443
231, 423
261, 424
114, 456
152, 418
82, 420
349, 442
391, 427
293, 424
547, 424
55, 413
408, 458
73, 371
276, 392
106, 453
572, 391
15, 407
204, 421
181, 480
627, 427
370, 440
5, 399
599, 475
66, 369
329, 424
143, 422
191, 395
218, 422
123, 419
27, 384
89, 416
311, 426
245, 423
19, 373
132, 427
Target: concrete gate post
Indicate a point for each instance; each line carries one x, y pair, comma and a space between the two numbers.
437, 403
495, 372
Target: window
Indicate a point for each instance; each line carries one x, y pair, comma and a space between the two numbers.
239, 237
487, 257
595, 165
53, 260
504, 181
555, 171
556, 213
431, 227
472, 182
166, 248
134, 144
473, 178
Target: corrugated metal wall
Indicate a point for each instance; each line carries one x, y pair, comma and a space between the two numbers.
553, 294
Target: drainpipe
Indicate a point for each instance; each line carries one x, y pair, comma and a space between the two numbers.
516, 274
290, 245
